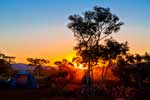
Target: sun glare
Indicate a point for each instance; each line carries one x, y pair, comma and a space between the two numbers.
80, 66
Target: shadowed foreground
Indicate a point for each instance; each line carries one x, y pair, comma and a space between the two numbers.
72, 92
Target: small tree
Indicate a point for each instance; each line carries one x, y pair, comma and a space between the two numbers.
65, 73
130, 58
122, 71
5, 66
63, 63
138, 58
111, 51
38, 63
147, 57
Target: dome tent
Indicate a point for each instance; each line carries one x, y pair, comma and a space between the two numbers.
23, 79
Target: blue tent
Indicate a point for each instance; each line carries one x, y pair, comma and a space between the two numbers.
23, 79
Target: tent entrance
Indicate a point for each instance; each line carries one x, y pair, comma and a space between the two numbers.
22, 80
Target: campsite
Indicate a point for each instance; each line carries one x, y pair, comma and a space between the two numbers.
65, 84
74, 50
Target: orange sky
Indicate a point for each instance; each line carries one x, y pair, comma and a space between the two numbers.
30, 28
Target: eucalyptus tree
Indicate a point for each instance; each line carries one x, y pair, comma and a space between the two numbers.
91, 28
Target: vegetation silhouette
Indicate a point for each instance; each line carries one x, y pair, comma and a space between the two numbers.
147, 57
5, 65
66, 73
37, 62
110, 52
89, 29
95, 50
133, 67
5, 70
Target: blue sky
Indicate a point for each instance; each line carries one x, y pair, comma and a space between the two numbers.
37, 27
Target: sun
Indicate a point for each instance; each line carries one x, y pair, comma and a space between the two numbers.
80, 66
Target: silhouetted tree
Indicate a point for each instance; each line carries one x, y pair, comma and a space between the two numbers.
110, 51
57, 62
5, 66
65, 72
63, 62
138, 58
130, 58
90, 29
146, 57
141, 72
78, 60
37, 62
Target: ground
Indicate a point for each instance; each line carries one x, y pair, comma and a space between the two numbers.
68, 94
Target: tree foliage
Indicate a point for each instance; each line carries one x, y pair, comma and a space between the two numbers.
37, 61
146, 57
5, 66
89, 29
111, 49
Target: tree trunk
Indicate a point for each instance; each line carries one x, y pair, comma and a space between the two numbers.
104, 77
89, 76
102, 74
107, 69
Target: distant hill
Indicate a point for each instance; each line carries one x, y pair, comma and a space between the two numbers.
22, 66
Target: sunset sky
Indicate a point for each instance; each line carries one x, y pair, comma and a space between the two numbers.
37, 28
